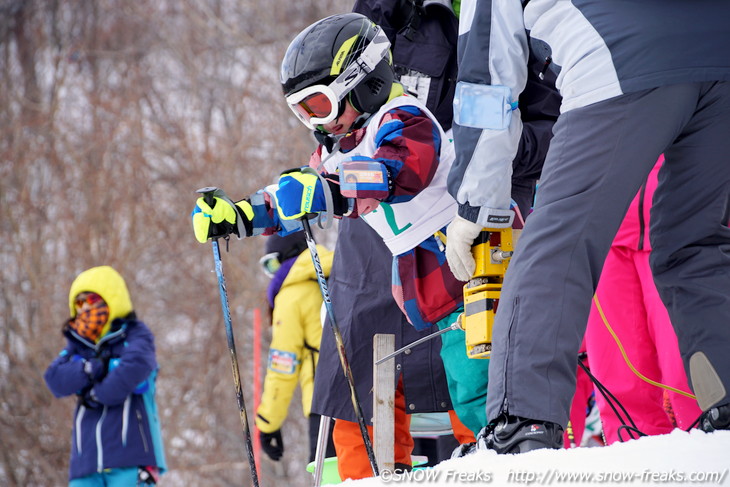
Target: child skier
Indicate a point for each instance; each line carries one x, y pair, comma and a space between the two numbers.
295, 302
392, 158
109, 364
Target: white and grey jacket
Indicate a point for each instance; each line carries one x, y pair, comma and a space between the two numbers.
595, 49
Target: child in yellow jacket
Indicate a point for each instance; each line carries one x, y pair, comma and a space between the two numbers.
296, 300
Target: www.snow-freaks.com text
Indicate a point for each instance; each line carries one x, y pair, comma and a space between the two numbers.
646, 476
555, 477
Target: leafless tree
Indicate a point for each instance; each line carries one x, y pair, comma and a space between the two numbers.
111, 115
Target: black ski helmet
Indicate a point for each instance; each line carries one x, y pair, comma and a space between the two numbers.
313, 58
286, 247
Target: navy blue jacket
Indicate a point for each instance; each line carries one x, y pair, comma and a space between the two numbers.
359, 287
423, 42
120, 427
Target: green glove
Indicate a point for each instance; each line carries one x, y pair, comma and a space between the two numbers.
221, 218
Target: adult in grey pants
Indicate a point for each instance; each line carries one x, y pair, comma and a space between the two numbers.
597, 160
633, 87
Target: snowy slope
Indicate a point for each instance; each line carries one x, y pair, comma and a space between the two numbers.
680, 458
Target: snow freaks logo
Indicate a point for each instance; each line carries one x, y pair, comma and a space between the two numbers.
437, 476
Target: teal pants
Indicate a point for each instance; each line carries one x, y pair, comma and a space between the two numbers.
113, 477
466, 377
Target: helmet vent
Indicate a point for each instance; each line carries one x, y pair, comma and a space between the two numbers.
375, 85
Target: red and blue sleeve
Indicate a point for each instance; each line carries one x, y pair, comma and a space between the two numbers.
407, 143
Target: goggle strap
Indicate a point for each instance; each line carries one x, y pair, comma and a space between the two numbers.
375, 52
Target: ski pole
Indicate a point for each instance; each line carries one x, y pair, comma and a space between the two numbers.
322, 438
340, 345
208, 195
455, 326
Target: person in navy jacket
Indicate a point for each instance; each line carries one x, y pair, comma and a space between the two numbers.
109, 364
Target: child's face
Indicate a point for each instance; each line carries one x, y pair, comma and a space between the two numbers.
88, 300
342, 124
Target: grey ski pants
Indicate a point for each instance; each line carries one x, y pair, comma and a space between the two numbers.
598, 159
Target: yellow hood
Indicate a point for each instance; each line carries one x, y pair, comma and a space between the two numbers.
303, 269
107, 283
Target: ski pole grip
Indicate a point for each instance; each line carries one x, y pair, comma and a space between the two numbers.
208, 194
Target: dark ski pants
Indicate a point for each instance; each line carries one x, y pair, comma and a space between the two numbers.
599, 157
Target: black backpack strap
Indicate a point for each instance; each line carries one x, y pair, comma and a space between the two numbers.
416, 10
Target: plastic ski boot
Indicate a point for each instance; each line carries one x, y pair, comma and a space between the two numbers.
464, 450
512, 434
717, 418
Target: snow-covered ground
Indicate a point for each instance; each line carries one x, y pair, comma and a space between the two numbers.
680, 458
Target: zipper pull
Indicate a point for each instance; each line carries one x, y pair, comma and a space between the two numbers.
505, 407
541, 75
440, 237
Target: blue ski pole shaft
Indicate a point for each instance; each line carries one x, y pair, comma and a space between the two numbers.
234, 361
340, 346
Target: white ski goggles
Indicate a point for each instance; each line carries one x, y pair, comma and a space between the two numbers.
319, 104
270, 264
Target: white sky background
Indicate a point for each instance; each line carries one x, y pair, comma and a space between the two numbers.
702, 459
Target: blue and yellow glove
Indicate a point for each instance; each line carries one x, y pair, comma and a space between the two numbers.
302, 191
216, 216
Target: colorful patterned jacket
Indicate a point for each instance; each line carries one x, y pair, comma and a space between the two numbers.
404, 141
404, 138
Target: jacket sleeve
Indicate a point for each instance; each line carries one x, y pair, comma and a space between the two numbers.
266, 219
492, 50
136, 363
65, 375
310, 354
407, 145
285, 353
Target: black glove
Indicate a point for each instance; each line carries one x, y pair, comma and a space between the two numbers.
272, 444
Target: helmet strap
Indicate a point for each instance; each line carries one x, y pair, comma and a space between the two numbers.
331, 142
360, 121
343, 105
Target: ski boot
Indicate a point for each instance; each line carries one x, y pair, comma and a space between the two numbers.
512, 434
717, 418
464, 450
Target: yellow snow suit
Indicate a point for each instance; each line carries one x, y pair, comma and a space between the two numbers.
294, 349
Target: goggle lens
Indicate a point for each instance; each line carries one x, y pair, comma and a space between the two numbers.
270, 263
91, 299
315, 105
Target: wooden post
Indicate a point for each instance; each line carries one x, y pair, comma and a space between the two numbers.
384, 402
